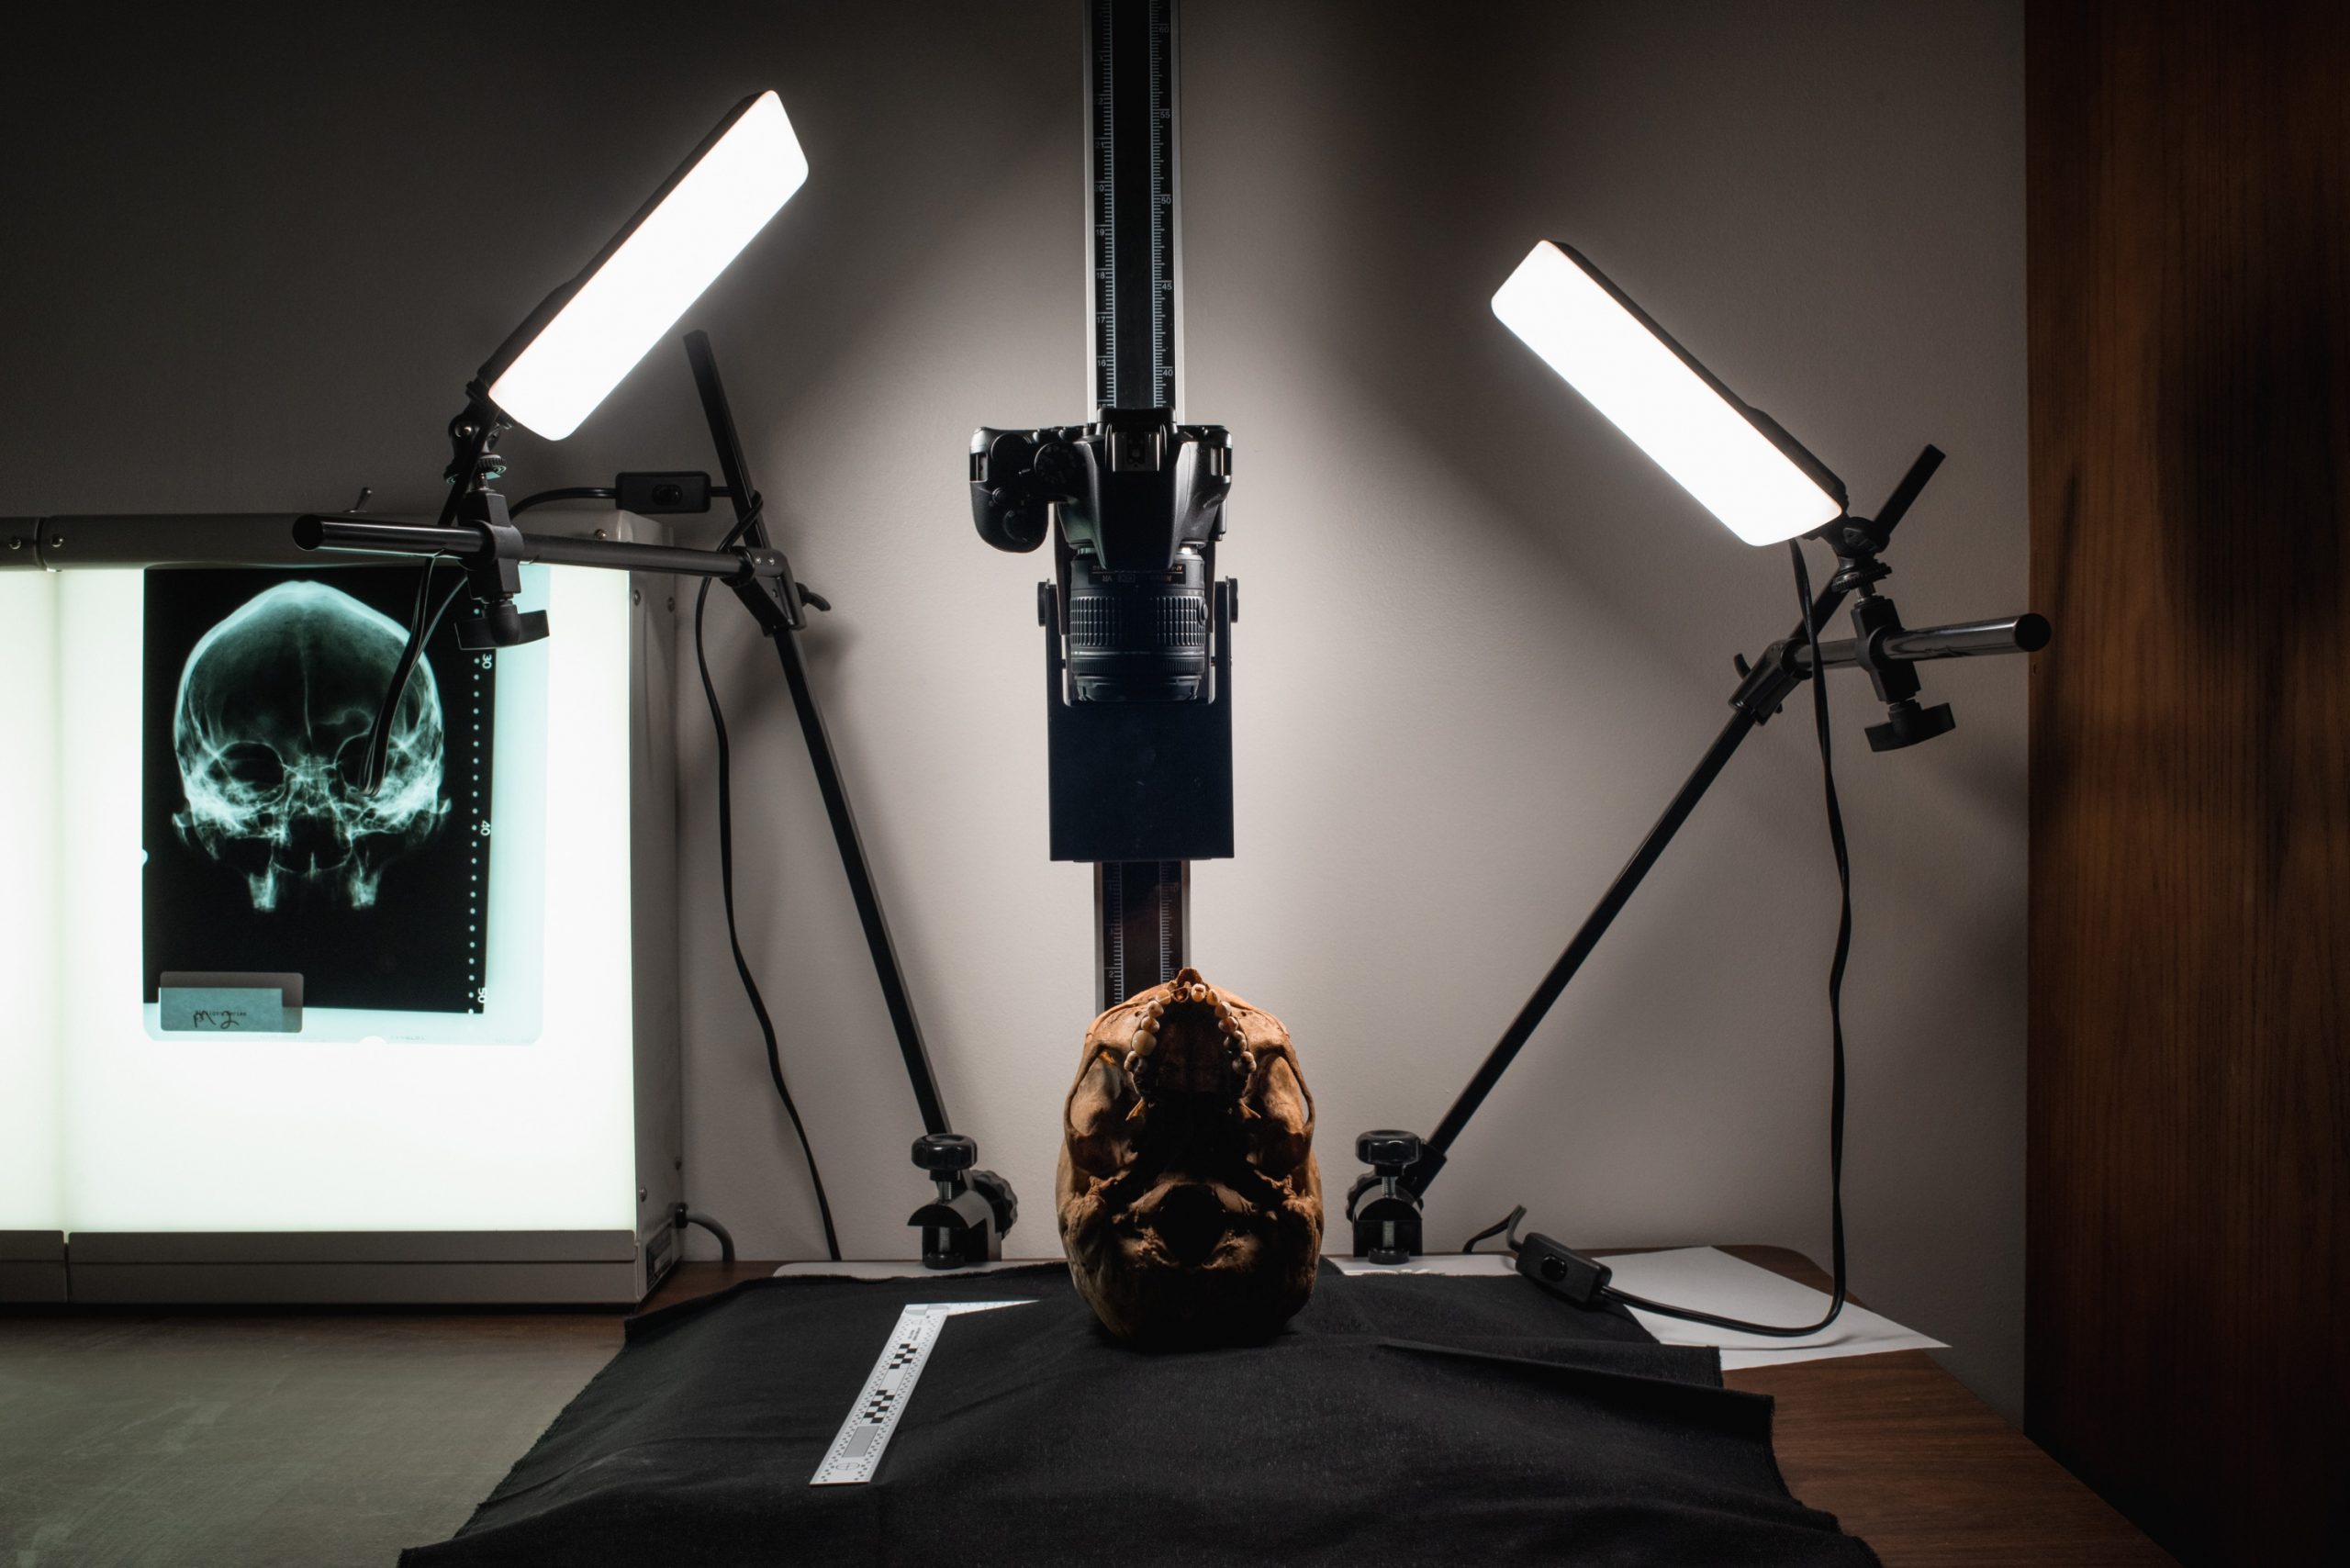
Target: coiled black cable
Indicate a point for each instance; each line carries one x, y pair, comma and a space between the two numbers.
420, 633
1835, 1010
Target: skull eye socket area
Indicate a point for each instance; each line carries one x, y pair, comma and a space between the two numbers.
252, 766
351, 762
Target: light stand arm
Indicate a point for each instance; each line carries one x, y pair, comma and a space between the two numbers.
365, 535
751, 521
1384, 1202
974, 1207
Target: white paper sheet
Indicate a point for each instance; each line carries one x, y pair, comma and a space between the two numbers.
1705, 1278
1711, 1281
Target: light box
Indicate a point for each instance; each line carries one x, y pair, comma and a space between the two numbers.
362, 1157
32, 1193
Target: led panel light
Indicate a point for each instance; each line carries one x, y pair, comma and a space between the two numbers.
576, 347
1733, 459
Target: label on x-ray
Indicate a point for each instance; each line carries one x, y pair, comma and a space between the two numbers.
857, 1449
222, 1008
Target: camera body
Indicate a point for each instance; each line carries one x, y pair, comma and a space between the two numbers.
1135, 504
1138, 628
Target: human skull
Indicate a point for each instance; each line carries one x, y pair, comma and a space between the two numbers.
1190, 1204
275, 705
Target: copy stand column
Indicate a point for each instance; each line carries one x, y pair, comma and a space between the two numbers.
1137, 627
1142, 916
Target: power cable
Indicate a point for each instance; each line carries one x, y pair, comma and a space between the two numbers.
726, 884
1835, 1008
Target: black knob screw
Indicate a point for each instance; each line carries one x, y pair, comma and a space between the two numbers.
945, 1153
1389, 1152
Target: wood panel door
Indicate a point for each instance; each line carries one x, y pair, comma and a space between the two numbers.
2189, 1346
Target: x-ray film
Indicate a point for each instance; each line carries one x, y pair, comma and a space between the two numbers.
264, 850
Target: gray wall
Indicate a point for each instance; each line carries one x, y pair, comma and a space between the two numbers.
251, 262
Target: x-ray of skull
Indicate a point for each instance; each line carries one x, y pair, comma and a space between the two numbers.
265, 854
276, 706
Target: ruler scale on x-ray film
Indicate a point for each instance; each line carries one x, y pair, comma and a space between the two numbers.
857, 1446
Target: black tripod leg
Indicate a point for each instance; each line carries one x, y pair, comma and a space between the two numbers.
1595, 926
783, 630
860, 887
1758, 696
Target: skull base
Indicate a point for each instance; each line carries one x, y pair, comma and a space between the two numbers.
1189, 1201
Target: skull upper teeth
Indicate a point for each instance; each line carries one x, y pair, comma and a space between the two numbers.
1149, 1017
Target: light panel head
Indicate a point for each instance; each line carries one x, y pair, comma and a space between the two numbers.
576, 347
1738, 464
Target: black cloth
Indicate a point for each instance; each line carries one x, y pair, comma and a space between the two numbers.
1403, 1420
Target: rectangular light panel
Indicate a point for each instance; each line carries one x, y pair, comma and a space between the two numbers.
654, 273
1566, 313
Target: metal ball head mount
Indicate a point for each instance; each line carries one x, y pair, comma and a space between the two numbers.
974, 1208
493, 575
1880, 644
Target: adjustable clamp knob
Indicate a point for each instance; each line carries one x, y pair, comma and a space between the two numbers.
1386, 1212
1906, 724
1388, 1152
944, 1153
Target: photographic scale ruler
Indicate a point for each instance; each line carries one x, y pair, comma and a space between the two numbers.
880, 1405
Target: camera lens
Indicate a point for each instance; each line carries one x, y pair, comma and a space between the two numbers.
1138, 636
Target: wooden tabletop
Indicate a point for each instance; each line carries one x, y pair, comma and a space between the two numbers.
1920, 1469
